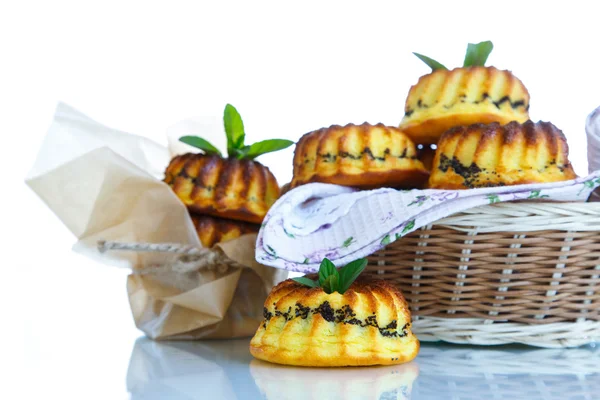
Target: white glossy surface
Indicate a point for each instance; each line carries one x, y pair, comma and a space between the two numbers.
225, 369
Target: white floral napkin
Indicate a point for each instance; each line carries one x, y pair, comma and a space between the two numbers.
321, 220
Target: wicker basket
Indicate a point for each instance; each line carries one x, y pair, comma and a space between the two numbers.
503, 273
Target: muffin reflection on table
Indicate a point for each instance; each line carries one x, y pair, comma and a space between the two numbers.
289, 383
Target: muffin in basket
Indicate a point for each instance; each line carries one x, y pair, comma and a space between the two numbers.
335, 322
364, 156
236, 187
463, 96
494, 155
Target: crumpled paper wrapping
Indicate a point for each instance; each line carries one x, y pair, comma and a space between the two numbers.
105, 184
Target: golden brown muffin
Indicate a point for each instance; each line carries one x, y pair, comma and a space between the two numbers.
241, 190
463, 96
364, 156
213, 230
494, 155
368, 325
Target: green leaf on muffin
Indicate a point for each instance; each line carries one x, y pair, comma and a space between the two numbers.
331, 279
477, 55
236, 135
200, 143
234, 128
431, 63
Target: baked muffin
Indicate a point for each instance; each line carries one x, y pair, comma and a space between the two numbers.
234, 187
241, 190
482, 155
463, 96
213, 230
367, 325
363, 156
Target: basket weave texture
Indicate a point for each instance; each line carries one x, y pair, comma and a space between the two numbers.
512, 264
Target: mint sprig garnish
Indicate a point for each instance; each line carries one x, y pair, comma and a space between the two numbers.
234, 130
200, 143
431, 63
333, 280
477, 55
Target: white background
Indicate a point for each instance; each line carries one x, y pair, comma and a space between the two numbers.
289, 69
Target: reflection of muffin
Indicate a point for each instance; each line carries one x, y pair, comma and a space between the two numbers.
463, 96
229, 188
367, 325
494, 155
290, 383
364, 156
213, 230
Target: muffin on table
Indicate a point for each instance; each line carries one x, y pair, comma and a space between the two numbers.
365, 322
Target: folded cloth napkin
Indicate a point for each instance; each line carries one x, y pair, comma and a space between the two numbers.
321, 220
592, 129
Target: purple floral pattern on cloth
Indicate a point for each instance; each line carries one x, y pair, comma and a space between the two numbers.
320, 220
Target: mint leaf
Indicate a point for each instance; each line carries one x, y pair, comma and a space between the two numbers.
477, 54
326, 270
350, 272
266, 146
306, 282
431, 63
201, 144
240, 154
331, 284
234, 128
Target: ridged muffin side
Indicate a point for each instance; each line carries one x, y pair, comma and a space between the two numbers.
212, 230
463, 96
483, 155
368, 325
241, 190
364, 156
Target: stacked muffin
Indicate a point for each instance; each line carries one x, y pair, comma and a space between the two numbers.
464, 128
227, 197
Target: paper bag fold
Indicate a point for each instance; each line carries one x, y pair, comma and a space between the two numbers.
105, 184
